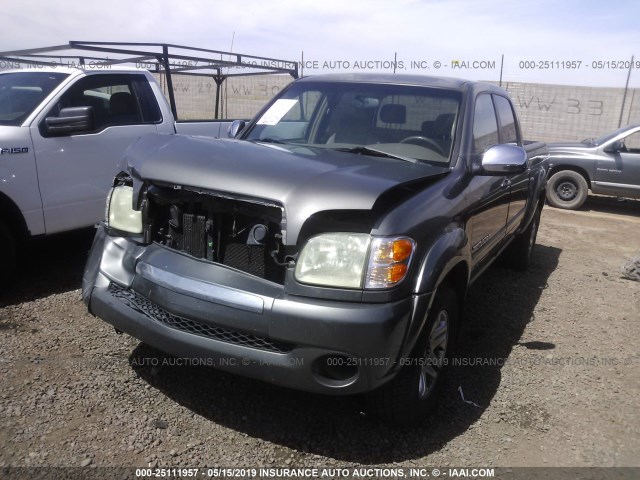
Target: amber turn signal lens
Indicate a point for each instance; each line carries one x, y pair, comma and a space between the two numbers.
395, 273
389, 261
402, 250
391, 251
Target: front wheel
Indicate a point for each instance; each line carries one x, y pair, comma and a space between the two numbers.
415, 389
567, 189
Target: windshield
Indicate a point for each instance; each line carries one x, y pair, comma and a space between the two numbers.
396, 121
608, 136
21, 92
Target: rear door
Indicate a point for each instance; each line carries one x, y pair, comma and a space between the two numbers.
75, 171
519, 188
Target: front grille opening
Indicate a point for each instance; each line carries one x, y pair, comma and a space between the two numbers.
147, 307
246, 236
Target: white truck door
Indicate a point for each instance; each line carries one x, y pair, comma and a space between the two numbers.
75, 171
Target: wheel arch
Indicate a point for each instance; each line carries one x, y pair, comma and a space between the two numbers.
12, 216
446, 263
445, 253
457, 278
565, 166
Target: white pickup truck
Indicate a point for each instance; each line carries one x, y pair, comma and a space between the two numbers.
63, 132
69, 112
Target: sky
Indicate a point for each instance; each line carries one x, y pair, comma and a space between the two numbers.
567, 42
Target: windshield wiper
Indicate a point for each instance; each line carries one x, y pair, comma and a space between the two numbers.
364, 150
269, 140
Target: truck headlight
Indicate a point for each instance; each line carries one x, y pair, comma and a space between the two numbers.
354, 260
334, 259
120, 212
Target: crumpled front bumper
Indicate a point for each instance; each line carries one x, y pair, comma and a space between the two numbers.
243, 324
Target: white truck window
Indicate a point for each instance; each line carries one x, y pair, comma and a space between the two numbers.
116, 100
22, 92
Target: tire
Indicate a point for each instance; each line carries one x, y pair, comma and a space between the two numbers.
8, 254
567, 189
518, 254
414, 391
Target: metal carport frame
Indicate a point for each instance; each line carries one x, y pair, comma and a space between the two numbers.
166, 58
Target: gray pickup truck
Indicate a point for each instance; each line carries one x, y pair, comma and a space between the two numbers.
329, 246
609, 165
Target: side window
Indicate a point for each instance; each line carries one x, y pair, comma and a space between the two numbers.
485, 125
116, 100
507, 132
632, 143
148, 103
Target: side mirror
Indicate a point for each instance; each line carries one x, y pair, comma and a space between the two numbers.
235, 128
615, 147
71, 120
504, 160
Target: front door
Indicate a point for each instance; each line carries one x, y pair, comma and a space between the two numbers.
618, 170
75, 172
489, 195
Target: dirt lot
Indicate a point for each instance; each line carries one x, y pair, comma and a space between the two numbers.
75, 393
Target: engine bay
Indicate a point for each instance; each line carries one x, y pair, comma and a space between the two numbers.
236, 233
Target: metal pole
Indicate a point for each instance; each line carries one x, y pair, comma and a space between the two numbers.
167, 72
395, 61
302, 65
633, 98
626, 89
219, 79
501, 67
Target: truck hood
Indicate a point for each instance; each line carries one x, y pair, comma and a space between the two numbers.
568, 145
302, 180
574, 149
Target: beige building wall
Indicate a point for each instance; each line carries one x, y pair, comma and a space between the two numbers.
240, 97
550, 113
554, 113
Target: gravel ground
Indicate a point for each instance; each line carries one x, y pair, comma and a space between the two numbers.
74, 393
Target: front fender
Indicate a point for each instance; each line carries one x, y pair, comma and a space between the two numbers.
537, 192
446, 252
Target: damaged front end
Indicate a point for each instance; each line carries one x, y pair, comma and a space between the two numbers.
243, 233
203, 274
239, 233
266, 265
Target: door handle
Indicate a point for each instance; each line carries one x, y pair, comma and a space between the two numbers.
506, 183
